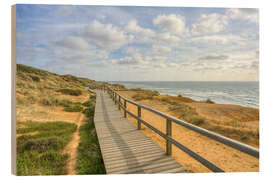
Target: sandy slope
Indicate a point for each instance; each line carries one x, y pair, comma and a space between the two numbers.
229, 159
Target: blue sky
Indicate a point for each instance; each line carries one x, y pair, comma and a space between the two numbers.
140, 43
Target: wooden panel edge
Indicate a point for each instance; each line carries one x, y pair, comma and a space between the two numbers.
13, 89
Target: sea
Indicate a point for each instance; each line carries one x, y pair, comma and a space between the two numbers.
238, 93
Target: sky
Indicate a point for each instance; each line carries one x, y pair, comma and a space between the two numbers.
135, 43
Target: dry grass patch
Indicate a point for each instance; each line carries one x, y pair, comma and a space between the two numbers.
144, 94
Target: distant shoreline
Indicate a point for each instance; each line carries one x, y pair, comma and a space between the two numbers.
218, 97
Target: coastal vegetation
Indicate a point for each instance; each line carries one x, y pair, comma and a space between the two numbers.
237, 122
39, 147
51, 109
210, 101
89, 159
144, 94
73, 92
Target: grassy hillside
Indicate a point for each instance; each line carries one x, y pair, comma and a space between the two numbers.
34, 85
49, 111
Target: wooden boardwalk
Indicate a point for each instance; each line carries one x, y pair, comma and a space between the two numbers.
126, 150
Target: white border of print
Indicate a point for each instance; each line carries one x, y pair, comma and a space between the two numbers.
5, 10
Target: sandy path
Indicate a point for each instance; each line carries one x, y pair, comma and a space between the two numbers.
71, 148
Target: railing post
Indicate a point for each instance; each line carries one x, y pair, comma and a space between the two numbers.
125, 111
119, 101
139, 116
168, 133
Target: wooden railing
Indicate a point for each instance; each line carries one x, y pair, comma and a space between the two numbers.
168, 136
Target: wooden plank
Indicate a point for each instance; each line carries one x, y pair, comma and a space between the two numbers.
124, 148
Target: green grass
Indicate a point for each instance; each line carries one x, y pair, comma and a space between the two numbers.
88, 103
40, 153
89, 159
73, 108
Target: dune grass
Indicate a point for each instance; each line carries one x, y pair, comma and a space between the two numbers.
144, 94
40, 144
40, 153
89, 159
72, 92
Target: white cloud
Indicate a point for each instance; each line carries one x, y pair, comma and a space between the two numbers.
134, 60
171, 23
139, 62
105, 35
248, 14
214, 38
161, 49
219, 39
211, 23
215, 57
168, 38
235, 61
72, 42
134, 28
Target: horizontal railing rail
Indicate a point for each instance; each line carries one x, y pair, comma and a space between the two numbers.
168, 136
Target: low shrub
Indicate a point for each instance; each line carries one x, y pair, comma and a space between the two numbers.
145, 94
93, 97
167, 100
49, 101
88, 103
89, 112
72, 92
65, 103
41, 144
187, 113
210, 101
196, 120
35, 78
73, 108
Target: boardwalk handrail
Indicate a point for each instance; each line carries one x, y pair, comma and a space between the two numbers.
169, 140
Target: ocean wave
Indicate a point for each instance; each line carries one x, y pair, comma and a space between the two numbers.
239, 93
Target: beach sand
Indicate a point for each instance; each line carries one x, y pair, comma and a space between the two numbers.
226, 119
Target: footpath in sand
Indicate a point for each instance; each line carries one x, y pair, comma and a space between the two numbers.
71, 148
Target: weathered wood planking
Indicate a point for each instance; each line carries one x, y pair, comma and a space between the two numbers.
126, 150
